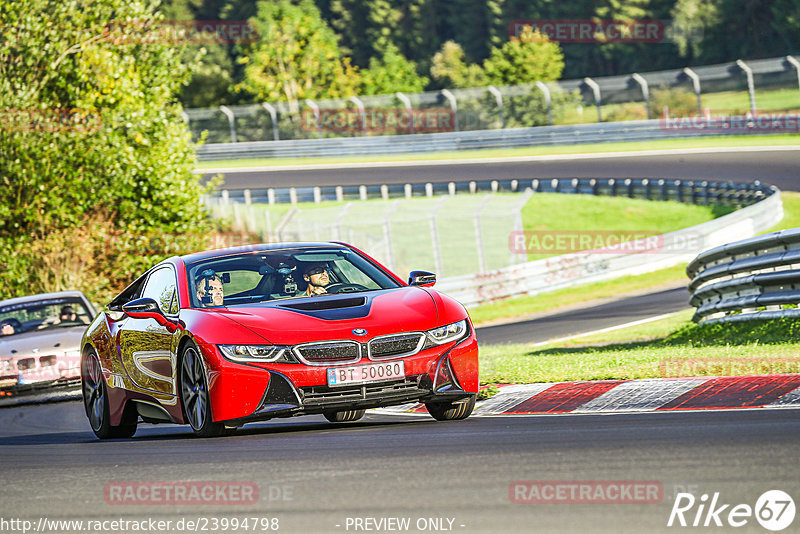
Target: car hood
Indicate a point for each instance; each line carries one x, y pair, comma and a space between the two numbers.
44, 342
293, 321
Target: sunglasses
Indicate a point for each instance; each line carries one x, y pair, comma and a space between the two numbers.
316, 270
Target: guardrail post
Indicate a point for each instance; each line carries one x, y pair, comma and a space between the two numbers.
248, 199
407, 103
706, 192
407, 190
317, 195
293, 196
453, 106
554, 184
451, 188
473, 187
429, 190
274, 116
596, 91
498, 97
229, 114
547, 100
796, 64
593, 185
535, 185
361, 111
629, 187
271, 196
339, 194
612, 186
515, 185
663, 189
679, 190
645, 91
646, 185
362, 192
696, 85
315, 109
750, 85
495, 186
575, 182
385, 192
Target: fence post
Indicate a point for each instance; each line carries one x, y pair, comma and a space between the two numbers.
274, 116
498, 96
407, 103
750, 85
548, 102
387, 232
337, 223
596, 91
317, 195
796, 64
696, 85
437, 251
453, 106
451, 188
248, 199
385, 192
476, 222
339, 193
293, 196
429, 190
271, 196
228, 113
407, 191
361, 111
362, 192
315, 109
645, 91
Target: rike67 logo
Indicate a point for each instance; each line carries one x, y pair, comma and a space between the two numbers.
774, 510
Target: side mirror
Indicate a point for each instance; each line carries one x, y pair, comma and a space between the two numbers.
421, 278
145, 308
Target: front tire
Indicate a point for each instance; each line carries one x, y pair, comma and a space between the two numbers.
95, 401
344, 416
194, 395
451, 411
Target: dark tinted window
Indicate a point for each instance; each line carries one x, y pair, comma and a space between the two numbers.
162, 288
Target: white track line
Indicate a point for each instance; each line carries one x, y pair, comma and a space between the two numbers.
609, 329
510, 159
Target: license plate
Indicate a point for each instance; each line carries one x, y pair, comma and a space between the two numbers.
359, 374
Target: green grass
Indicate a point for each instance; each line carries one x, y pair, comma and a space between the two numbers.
664, 144
671, 347
739, 101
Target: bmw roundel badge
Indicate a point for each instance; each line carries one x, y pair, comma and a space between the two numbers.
359, 332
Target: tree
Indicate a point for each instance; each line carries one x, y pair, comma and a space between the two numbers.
391, 72
528, 58
449, 68
92, 138
296, 57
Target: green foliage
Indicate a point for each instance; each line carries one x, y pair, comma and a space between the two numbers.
296, 57
391, 72
449, 68
677, 100
529, 58
92, 136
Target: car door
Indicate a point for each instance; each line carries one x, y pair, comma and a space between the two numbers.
148, 349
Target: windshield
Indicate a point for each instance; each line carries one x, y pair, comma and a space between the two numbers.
42, 314
282, 274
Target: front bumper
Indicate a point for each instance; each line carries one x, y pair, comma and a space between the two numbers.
242, 393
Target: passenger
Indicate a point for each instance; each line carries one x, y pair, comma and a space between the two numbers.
215, 291
67, 315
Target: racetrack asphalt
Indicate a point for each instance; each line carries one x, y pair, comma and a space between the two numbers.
777, 167
313, 475
576, 321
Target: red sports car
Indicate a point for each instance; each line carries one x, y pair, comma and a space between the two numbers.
222, 338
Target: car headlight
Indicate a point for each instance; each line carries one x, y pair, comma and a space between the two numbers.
256, 353
450, 332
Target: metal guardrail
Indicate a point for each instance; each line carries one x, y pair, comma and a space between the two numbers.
756, 278
578, 268
606, 132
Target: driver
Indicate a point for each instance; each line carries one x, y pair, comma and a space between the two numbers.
67, 315
317, 277
215, 290
8, 328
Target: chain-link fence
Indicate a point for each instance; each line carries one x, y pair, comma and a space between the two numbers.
450, 235
742, 86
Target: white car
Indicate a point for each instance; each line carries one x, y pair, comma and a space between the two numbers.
40, 337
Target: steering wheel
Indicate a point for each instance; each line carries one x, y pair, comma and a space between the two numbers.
343, 288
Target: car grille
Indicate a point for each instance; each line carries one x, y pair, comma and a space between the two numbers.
319, 395
329, 352
395, 346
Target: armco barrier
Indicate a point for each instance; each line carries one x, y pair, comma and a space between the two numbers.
601, 264
645, 130
756, 278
